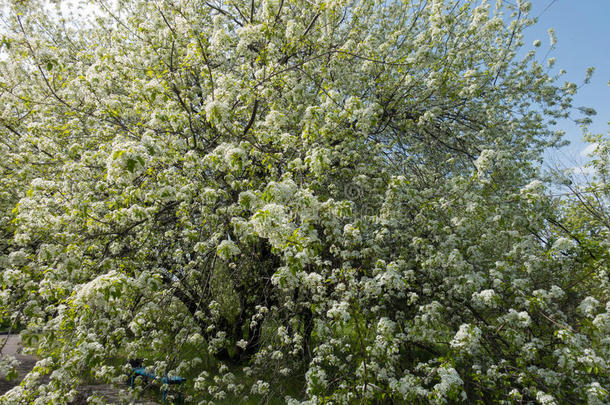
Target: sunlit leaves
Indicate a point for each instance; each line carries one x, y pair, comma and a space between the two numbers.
337, 196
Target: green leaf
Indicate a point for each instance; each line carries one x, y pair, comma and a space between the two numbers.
131, 165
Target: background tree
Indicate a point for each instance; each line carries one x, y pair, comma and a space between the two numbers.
314, 201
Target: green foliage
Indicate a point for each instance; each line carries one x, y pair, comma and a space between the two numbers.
296, 202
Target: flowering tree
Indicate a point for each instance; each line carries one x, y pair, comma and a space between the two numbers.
323, 201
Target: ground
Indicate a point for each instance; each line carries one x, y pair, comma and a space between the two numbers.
26, 363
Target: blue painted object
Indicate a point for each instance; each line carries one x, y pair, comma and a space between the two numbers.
141, 371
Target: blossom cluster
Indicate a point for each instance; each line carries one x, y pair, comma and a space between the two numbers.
311, 202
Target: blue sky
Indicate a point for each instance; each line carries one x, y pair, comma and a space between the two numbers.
582, 28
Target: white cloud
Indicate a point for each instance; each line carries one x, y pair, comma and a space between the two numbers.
589, 149
584, 170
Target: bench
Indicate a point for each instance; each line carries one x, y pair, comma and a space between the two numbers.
141, 371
